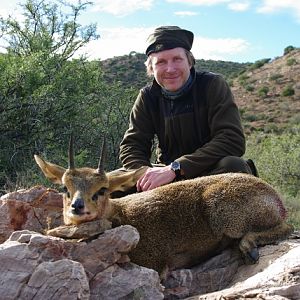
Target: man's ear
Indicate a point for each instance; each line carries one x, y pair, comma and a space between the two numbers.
53, 172
123, 180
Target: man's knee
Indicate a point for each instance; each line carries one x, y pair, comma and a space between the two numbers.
231, 164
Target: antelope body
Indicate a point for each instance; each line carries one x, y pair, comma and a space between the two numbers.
182, 223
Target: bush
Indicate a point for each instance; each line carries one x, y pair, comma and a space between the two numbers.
277, 158
263, 91
249, 117
259, 63
243, 79
274, 77
295, 119
288, 49
288, 91
249, 88
271, 128
291, 61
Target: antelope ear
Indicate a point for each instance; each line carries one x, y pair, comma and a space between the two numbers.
53, 172
122, 180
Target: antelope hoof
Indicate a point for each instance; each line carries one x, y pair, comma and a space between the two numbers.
252, 256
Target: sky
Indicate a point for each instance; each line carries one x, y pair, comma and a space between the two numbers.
229, 30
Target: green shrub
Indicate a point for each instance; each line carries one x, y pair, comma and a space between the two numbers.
230, 82
250, 117
259, 63
277, 158
271, 128
288, 49
291, 61
242, 110
293, 207
243, 79
295, 119
274, 77
288, 91
249, 88
263, 91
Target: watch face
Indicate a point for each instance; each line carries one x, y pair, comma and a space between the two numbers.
175, 166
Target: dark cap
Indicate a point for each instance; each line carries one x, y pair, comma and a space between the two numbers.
169, 37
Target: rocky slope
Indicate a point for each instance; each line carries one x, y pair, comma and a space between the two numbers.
269, 96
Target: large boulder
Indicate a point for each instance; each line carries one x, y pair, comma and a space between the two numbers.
35, 266
37, 209
225, 276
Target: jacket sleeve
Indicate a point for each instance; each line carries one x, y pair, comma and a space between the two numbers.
136, 146
226, 133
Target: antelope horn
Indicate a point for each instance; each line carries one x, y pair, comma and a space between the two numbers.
100, 169
71, 152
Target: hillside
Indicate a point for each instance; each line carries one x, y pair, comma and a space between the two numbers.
269, 96
267, 92
129, 70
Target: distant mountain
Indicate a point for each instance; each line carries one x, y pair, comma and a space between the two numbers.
130, 71
267, 91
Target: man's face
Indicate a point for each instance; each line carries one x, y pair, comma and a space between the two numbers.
171, 68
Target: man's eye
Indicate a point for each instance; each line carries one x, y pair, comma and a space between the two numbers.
160, 63
178, 59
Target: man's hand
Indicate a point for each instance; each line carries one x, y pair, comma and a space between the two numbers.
155, 177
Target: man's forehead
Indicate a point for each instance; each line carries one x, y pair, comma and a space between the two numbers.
168, 53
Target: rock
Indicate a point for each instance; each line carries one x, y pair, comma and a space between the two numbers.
109, 248
33, 265
214, 274
276, 276
280, 278
113, 283
81, 231
34, 209
62, 279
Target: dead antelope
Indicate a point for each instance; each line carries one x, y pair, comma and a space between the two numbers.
182, 223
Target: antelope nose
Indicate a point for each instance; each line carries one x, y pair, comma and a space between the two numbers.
77, 206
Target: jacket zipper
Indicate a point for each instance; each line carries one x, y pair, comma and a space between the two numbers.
172, 108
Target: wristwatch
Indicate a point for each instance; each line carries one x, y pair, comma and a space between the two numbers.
175, 166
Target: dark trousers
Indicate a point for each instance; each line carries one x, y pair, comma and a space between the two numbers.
233, 164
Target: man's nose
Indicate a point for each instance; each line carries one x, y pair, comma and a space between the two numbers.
170, 67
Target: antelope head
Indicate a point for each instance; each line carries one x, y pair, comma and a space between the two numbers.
87, 190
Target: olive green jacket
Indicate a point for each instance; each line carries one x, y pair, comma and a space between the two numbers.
197, 129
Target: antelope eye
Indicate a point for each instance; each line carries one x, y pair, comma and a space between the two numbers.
102, 191
99, 193
65, 190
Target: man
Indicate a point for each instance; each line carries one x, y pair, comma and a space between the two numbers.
192, 114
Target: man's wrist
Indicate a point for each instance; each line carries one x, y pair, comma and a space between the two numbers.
176, 168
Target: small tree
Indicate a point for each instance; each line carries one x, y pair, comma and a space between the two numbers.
48, 28
288, 49
41, 89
